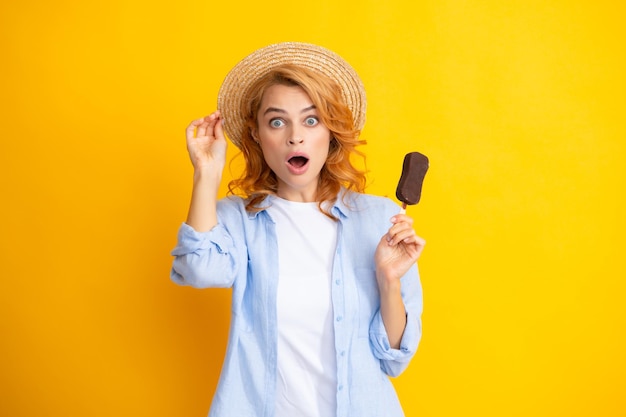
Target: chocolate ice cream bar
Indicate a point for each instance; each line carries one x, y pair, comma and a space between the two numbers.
414, 169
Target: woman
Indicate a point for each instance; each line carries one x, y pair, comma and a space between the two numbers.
326, 298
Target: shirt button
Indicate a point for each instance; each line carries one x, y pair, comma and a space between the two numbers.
343, 353
337, 282
340, 387
339, 318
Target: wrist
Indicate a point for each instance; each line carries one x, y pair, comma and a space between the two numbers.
389, 287
208, 172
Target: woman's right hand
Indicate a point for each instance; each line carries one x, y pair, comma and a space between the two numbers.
206, 143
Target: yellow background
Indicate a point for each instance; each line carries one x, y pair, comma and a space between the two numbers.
518, 104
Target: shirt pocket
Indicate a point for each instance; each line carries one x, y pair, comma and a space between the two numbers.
369, 298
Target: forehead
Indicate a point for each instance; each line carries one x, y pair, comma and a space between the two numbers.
285, 95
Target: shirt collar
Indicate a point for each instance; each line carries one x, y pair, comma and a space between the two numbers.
339, 209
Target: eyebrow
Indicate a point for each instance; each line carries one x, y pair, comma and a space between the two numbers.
277, 110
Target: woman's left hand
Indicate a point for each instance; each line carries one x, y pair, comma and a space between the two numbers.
398, 250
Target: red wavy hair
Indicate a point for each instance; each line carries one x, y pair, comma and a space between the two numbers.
258, 180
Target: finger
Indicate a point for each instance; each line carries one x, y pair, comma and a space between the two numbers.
400, 231
401, 217
406, 236
398, 228
205, 126
211, 120
191, 129
421, 243
414, 252
215, 115
219, 129
413, 240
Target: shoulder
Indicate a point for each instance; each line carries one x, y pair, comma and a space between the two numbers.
230, 205
231, 202
231, 208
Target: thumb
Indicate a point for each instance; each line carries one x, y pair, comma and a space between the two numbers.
219, 129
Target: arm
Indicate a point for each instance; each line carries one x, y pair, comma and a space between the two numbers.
393, 312
393, 361
207, 150
203, 253
396, 253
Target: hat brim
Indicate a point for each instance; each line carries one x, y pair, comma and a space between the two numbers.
262, 61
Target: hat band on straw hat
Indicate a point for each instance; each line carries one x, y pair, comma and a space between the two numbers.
239, 80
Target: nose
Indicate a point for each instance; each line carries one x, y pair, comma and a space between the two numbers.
296, 137
296, 140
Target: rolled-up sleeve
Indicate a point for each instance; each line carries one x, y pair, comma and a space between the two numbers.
204, 259
395, 361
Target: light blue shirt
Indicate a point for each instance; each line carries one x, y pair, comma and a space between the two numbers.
241, 252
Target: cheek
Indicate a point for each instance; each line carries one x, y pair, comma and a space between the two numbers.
328, 140
271, 156
270, 137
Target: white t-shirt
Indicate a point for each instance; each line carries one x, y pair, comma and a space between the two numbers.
306, 380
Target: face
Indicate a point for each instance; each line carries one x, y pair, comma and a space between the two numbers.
294, 142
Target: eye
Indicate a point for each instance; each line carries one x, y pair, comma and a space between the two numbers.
277, 123
311, 121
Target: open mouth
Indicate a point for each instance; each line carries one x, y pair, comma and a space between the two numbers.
298, 161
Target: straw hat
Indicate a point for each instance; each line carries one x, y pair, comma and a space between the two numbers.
263, 60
